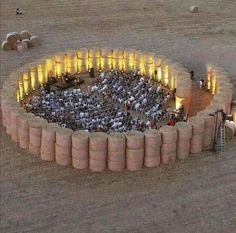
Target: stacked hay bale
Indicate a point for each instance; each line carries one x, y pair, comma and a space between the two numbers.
34, 41
63, 146
168, 147
80, 149
198, 125
98, 151
14, 114
20, 41
94, 55
152, 151
35, 135
48, 141
23, 129
116, 151
193, 9
118, 56
183, 90
82, 60
106, 59
158, 60
208, 135
184, 136
129, 60
6, 110
140, 61
149, 65
134, 150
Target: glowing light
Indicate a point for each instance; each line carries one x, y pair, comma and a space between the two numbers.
49, 69
33, 78
40, 74
159, 74
208, 80
17, 95
26, 83
178, 102
213, 84
166, 74
21, 88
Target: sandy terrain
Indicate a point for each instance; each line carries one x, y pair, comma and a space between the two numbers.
197, 195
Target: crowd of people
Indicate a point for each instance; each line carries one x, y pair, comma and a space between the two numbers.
135, 92
107, 106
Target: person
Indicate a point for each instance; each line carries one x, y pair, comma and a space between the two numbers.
200, 84
155, 74
192, 74
18, 12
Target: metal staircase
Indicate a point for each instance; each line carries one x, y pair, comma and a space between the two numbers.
220, 143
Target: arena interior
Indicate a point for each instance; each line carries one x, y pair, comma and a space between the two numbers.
194, 194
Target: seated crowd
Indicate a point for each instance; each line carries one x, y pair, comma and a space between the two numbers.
102, 108
135, 92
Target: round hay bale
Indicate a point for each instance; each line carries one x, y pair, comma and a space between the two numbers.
97, 165
80, 163
80, 154
196, 148
80, 139
193, 9
98, 141
151, 162
21, 47
116, 156
209, 120
135, 154
116, 142
153, 151
63, 155
35, 128
6, 46
33, 149
116, 165
182, 153
34, 41
24, 143
134, 165
135, 139
49, 132
26, 42
25, 35
17, 35
198, 125
11, 38
97, 154
152, 138
64, 137
184, 130
48, 151
169, 134
168, 158
197, 139
168, 148
35, 140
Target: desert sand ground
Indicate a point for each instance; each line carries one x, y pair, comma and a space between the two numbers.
196, 195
